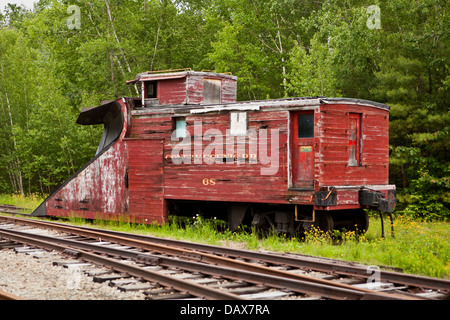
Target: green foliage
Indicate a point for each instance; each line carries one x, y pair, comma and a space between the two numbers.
426, 197
312, 72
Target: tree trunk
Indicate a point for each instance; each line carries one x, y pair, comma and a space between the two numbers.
16, 170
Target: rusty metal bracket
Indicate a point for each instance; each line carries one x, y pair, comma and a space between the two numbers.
326, 198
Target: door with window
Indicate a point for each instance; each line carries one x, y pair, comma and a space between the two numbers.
302, 131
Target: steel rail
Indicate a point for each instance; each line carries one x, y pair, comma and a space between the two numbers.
307, 262
312, 263
199, 256
79, 249
298, 262
11, 209
8, 296
179, 284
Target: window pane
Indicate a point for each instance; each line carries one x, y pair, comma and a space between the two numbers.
306, 125
238, 123
354, 140
180, 128
151, 90
211, 91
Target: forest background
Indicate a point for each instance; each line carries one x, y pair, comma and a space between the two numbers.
65, 55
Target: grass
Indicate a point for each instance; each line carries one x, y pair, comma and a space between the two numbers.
27, 202
421, 248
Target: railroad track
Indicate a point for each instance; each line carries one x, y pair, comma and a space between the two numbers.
168, 269
11, 209
8, 296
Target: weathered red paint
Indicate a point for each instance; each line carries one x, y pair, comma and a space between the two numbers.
186, 87
303, 151
98, 190
135, 177
145, 180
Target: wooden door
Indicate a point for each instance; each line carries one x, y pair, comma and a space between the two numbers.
145, 181
302, 131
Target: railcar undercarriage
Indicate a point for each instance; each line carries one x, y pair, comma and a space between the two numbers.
288, 219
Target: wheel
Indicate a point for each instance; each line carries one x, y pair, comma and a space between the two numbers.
351, 220
361, 219
324, 221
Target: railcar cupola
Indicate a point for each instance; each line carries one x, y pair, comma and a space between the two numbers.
185, 87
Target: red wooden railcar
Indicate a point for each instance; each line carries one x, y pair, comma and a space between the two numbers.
186, 144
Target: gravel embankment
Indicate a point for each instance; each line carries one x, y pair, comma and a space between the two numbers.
38, 279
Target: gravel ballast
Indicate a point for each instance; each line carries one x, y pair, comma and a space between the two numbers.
33, 278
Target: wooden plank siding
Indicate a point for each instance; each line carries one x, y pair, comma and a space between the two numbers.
239, 181
145, 127
243, 182
145, 181
333, 167
333, 142
195, 86
172, 91
98, 191
188, 88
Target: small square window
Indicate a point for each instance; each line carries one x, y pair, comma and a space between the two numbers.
180, 127
306, 125
238, 124
211, 91
151, 90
